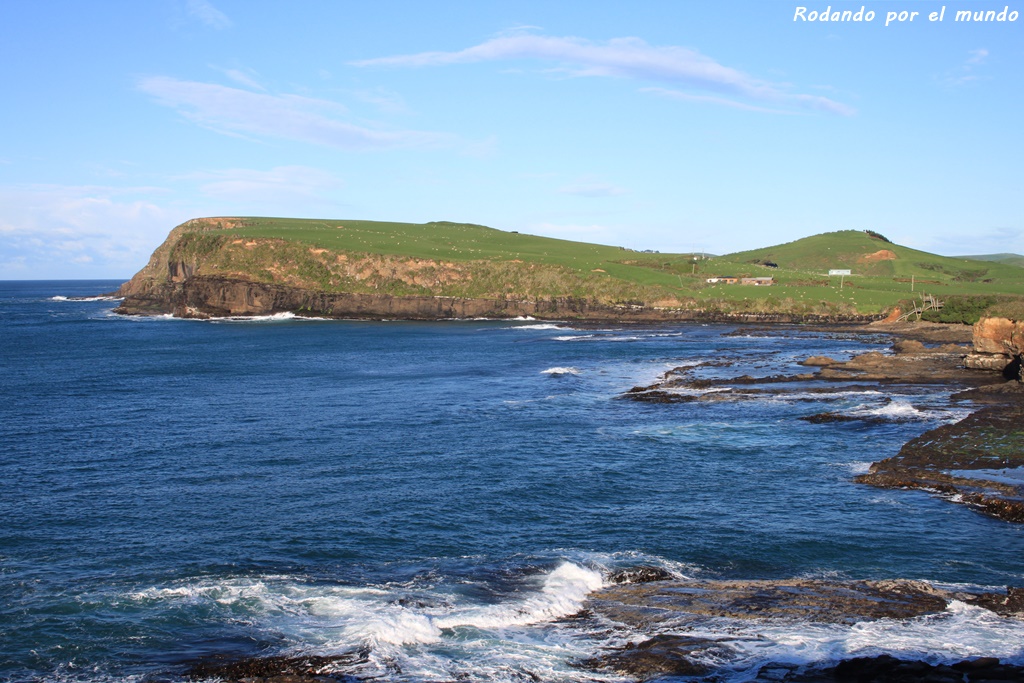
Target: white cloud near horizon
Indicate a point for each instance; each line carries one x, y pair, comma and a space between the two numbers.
280, 184
622, 58
58, 231
234, 111
207, 14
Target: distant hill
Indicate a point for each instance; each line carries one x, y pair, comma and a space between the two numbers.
1009, 259
867, 254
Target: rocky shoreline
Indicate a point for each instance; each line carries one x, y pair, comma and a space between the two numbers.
665, 622
978, 461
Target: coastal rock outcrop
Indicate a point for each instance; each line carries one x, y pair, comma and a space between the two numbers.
998, 346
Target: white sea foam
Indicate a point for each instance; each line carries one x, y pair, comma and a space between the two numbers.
86, 298
274, 317
824, 395
558, 371
352, 616
573, 337
896, 410
901, 411
541, 326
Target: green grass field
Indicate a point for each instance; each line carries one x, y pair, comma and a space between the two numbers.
493, 263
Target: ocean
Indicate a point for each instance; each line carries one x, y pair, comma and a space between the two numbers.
439, 496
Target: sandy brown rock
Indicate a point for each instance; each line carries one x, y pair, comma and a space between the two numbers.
999, 336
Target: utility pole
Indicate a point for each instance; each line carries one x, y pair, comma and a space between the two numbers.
911, 283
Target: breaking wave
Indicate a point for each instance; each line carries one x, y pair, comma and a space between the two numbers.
904, 411
558, 371
86, 298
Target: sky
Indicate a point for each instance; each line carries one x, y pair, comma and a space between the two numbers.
677, 126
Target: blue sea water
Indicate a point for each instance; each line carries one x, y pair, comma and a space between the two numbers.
438, 494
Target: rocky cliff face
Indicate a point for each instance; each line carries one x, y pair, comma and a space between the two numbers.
999, 346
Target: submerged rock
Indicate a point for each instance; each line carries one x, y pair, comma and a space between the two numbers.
308, 669
662, 655
641, 574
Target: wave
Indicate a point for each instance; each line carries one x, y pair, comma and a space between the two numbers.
559, 371
86, 298
538, 327
855, 468
904, 411
362, 615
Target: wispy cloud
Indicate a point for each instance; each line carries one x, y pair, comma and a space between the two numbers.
280, 184
387, 101
291, 117
622, 58
246, 78
977, 56
207, 14
710, 99
966, 72
591, 188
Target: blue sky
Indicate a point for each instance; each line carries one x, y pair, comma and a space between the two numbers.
680, 125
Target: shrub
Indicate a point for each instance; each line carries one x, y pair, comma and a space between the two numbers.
961, 309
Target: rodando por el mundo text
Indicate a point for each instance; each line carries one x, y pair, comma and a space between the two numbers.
828, 15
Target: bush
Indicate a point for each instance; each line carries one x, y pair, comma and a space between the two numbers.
961, 309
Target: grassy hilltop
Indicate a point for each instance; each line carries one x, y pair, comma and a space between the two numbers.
474, 261
1011, 259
